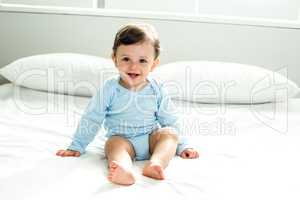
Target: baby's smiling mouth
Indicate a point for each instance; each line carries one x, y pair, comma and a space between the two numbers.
132, 75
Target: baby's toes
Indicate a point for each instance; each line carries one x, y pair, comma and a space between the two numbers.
113, 165
195, 155
110, 176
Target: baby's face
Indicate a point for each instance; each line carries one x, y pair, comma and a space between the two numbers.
134, 63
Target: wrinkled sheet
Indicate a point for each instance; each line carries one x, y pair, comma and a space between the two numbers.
246, 152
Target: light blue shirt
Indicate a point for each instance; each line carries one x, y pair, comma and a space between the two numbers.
126, 113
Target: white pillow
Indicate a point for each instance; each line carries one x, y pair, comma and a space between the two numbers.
67, 73
220, 82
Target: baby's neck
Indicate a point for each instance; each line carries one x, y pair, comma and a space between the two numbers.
134, 88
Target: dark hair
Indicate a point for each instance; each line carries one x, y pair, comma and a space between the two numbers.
136, 33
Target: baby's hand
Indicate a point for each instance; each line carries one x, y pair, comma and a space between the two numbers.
66, 153
189, 153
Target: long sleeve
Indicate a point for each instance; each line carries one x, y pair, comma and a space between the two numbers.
92, 119
183, 144
167, 118
167, 112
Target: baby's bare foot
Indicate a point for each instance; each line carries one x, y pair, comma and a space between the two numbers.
154, 170
120, 175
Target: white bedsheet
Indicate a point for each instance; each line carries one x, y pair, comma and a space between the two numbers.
247, 152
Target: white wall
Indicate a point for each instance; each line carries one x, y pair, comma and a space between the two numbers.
25, 34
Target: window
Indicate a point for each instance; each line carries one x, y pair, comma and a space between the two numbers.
174, 6
269, 9
63, 3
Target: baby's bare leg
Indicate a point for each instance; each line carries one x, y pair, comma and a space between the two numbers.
119, 153
163, 144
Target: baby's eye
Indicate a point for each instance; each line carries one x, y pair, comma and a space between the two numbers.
126, 59
143, 61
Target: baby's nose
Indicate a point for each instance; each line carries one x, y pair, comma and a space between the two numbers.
133, 65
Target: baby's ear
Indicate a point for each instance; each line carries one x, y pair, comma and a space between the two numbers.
113, 57
155, 63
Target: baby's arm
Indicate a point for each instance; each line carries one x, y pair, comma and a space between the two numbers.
185, 149
167, 118
67, 153
90, 123
189, 153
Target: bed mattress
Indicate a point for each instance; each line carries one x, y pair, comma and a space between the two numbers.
246, 152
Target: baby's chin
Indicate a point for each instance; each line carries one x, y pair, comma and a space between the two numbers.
134, 83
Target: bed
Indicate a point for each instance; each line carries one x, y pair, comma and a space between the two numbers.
246, 152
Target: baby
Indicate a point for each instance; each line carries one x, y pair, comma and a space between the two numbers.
138, 114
